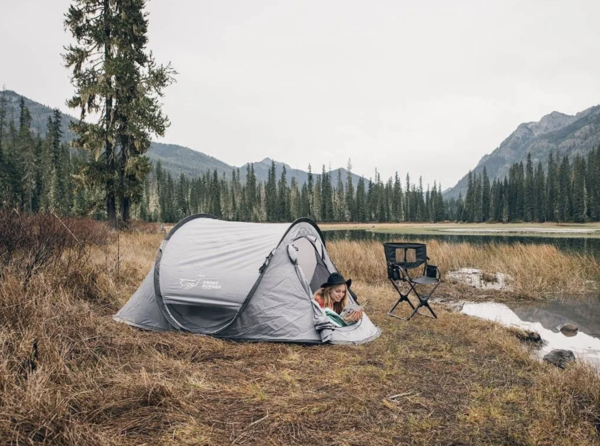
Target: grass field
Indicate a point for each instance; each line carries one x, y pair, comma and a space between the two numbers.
70, 375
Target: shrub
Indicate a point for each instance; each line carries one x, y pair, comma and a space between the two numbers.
30, 243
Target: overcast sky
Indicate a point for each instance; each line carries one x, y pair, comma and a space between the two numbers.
424, 87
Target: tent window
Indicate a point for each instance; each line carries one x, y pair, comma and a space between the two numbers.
307, 257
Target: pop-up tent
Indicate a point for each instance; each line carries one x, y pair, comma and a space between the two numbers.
243, 281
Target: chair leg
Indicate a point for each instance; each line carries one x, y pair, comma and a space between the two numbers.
403, 297
423, 302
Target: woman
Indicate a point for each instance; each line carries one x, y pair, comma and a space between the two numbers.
333, 294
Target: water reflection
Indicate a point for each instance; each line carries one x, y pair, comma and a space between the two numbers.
580, 245
546, 319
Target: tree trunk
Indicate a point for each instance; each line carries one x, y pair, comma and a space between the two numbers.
111, 209
125, 209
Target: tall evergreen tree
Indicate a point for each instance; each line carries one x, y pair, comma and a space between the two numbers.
341, 212
283, 201
115, 77
539, 194
271, 193
564, 190
552, 189
3, 164
485, 196
350, 205
579, 211
25, 147
529, 190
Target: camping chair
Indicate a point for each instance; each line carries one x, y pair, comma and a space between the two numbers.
403, 259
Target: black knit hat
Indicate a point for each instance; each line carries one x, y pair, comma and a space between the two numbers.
336, 279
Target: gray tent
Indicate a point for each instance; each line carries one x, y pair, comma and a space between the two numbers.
244, 281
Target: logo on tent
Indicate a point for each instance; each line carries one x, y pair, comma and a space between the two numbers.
188, 284
211, 285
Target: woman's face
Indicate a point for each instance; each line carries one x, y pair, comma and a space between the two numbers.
338, 292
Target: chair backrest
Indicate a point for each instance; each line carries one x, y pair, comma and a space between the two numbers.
406, 255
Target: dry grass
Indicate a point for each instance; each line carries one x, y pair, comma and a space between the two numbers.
69, 375
535, 271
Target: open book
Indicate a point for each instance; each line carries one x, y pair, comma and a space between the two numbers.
351, 308
339, 319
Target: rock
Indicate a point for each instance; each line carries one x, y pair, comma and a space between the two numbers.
560, 358
569, 329
479, 279
528, 336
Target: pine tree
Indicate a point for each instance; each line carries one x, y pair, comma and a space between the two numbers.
27, 157
539, 195
271, 193
117, 79
579, 191
45, 172
469, 199
593, 184
350, 205
251, 195
564, 190
340, 209
295, 200
3, 163
215, 195
283, 202
360, 206
440, 208
397, 210
552, 190
326, 196
317, 208
485, 196
407, 200
310, 194
477, 198
529, 190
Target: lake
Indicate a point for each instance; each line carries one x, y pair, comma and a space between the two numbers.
546, 318
580, 244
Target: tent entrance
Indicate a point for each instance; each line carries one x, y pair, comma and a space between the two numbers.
310, 260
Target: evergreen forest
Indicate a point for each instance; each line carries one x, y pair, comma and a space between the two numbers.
43, 173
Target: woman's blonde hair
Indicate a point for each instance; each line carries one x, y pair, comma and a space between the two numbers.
325, 293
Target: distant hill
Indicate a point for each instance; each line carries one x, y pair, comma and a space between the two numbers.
174, 158
178, 159
261, 170
557, 132
39, 114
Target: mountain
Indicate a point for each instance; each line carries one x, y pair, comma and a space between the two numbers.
178, 159
39, 114
174, 158
557, 132
261, 170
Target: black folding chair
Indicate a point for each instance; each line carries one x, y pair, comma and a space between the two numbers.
403, 263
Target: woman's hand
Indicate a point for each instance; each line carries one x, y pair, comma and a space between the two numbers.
355, 316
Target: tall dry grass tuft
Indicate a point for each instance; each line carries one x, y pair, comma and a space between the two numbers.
534, 271
361, 260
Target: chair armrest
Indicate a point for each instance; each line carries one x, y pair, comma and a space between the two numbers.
396, 272
433, 271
